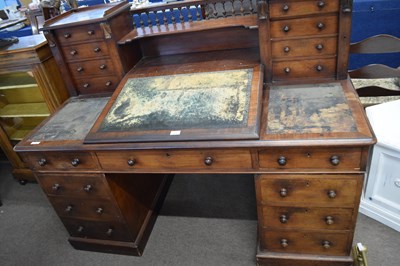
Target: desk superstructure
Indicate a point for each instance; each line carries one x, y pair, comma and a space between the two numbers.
292, 119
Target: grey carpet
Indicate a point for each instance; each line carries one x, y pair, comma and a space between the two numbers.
205, 220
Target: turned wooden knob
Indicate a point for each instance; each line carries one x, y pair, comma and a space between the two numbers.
80, 229
326, 244
284, 243
87, 188
319, 47
286, 49
319, 68
331, 194
335, 160
321, 4
56, 187
75, 162
329, 220
286, 28
97, 49
109, 232
287, 70
108, 83
74, 52
42, 162
208, 161
285, 7
99, 210
79, 69
283, 219
67, 35
283, 192
86, 85
131, 162
282, 160
90, 32
103, 66
69, 208
320, 25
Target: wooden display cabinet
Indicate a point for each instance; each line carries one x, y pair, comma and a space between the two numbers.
31, 89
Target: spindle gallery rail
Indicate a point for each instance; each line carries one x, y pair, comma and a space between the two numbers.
190, 15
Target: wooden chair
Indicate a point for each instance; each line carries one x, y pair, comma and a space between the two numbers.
376, 83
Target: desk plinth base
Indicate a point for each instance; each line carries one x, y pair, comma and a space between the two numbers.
265, 258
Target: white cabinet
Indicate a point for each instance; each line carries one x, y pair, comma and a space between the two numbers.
381, 197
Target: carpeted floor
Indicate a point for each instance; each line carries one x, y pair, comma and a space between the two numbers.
205, 220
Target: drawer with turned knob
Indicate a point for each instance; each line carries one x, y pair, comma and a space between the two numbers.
282, 9
311, 158
107, 230
303, 190
92, 68
298, 69
316, 217
71, 35
287, 49
85, 51
306, 242
88, 209
76, 185
66, 161
90, 84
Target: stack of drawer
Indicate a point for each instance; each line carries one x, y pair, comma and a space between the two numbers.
85, 206
311, 206
304, 38
88, 58
102, 212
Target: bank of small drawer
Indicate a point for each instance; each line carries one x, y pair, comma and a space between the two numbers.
85, 208
83, 33
311, 158
305, 217
43, 161
99, 67
89, 85
280, 8
306, 242
313, 26
156, 160
308, 190
114, 231
304, 47
310, 68
81, 185
85, 51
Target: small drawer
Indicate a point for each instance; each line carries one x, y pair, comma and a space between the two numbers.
80, 185
308, 190
176, 159
304, 47
316, 217
89, 85
83, 33
314, 26
281, 9
88, 209
298, 69
85, 51
306, 242
311, 158
99, 67
44, 161
97, 230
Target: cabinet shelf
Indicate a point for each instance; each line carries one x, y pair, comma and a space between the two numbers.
25, 110
17, 81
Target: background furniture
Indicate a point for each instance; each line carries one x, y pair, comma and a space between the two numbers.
377, 83
31, 89
381, 196
309, 144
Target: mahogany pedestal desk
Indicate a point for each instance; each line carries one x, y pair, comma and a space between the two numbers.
264, 93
